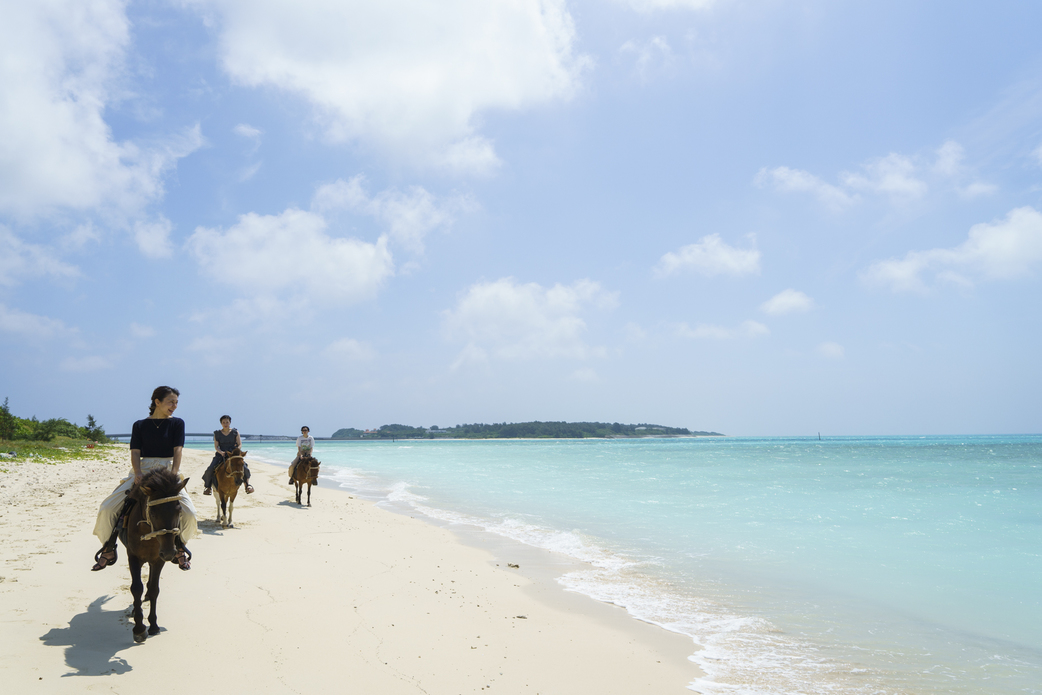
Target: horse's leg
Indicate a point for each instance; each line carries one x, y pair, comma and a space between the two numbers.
136, 588
309, 493
223, 512
217, 499
300, 488
231, 506
154, 570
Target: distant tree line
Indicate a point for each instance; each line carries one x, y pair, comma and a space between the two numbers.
519, 430
13, 428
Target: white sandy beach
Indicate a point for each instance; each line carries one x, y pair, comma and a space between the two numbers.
298, 600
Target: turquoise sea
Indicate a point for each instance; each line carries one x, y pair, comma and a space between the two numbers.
849, 565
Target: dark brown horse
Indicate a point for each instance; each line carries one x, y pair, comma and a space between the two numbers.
227, 478
305, 472
151, 526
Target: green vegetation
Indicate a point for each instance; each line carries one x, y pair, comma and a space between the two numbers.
15, 428
57, 450
519, 430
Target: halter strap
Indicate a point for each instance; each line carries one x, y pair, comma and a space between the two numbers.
148, 518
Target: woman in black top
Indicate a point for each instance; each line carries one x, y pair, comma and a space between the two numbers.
225, 441
155, 441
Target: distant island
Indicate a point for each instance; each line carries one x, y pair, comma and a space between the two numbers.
522, 430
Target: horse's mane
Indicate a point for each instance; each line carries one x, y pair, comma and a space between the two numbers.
161, 481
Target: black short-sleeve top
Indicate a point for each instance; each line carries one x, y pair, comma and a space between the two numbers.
226, 441
157, 437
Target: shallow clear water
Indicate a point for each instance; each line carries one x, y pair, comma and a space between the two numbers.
850, 565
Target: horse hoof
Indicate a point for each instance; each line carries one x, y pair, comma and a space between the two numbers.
154, 630
139, 637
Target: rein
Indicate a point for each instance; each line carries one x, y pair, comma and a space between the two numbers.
148, 518
311, 468
225, 465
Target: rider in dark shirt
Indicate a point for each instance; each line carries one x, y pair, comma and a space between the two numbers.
225, 441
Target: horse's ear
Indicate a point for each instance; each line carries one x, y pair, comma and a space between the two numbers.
146, 491
245, 452
182, 485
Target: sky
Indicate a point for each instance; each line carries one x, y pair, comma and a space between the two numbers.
754, 217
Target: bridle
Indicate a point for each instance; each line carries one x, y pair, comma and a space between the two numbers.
226, 463
148, 518
312, 469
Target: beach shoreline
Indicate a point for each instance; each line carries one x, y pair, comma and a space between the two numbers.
293, 599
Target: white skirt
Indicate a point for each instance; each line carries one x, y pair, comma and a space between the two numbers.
109, 510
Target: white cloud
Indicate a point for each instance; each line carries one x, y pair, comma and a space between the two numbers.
410, 77
247, 131
892, 175
30, 325
351, 350
949, 164
996, 251
247, 173
634, 333
60, 62
90, 363
409, 215
153, 237
291, 256
19, 259
710, 256
949, 159
80, 236
977, 189
786, 302
833, 351
789, 180
748, 329
511, 321
655, 54
896, 176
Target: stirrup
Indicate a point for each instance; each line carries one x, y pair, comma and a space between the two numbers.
99, 557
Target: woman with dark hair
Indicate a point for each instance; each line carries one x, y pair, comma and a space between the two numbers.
305, 445
154, 442
225, 441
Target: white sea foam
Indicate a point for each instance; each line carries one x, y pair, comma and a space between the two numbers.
732, 650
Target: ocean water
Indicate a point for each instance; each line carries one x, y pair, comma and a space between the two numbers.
861, 565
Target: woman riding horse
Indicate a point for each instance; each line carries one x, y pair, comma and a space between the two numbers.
155, 442
225, 441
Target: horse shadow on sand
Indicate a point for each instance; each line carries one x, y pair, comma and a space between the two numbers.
209, 527
291, 503
92, 640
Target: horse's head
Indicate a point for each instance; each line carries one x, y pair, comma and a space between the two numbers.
312, 464
237, 465
159, 507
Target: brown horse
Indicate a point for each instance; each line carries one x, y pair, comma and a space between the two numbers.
227, 478
149, 530
305, 472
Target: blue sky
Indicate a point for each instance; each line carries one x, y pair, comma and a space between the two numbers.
754, 217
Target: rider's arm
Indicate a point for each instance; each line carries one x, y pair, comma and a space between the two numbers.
135, 463
177, 459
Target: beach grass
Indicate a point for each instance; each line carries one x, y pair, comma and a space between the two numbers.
58, 450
